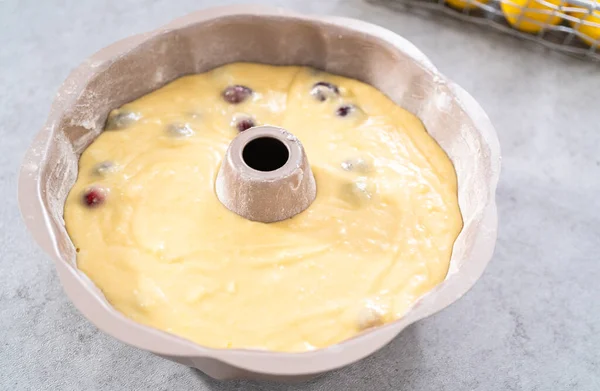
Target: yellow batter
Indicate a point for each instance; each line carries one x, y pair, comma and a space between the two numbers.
153, 236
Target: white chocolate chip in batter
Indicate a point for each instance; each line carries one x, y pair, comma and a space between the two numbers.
358, 165
121, 119
180, 130
369, 316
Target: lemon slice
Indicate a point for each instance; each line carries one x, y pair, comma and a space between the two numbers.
592, 32
531, 16
464, 4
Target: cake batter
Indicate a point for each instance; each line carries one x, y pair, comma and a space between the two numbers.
152, 235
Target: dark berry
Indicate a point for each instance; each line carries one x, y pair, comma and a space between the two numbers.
120, 120
244, 124
344, 110
323, 90
236, 94
94, 197
104, 168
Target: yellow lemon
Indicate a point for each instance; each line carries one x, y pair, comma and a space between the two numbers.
585, 27
464, 4
530, 16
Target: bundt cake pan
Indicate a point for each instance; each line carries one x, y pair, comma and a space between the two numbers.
207, 39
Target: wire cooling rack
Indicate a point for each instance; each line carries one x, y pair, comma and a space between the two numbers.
571, 27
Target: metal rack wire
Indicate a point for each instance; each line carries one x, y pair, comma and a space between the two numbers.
571, 27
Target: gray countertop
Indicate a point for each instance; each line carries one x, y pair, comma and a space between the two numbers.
532, 321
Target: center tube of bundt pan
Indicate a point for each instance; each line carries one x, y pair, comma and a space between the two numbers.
265, 176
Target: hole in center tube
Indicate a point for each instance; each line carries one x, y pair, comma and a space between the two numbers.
265, 154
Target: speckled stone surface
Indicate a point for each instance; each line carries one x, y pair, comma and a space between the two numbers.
532, 321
